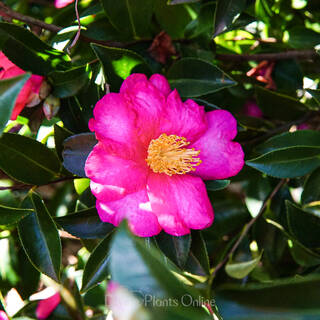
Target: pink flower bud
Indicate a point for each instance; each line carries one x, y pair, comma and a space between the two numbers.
3, 315
62, 3
46, 307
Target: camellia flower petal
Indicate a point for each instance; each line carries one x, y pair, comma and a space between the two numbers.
62, 3
46, 306
3, 315
154, 152
29, 95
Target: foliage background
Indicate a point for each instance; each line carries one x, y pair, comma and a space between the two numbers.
260, 259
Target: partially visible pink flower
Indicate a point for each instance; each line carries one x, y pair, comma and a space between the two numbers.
152, 156
3, 315
251, 109
46, 306
263, 73
29, 95
62, 3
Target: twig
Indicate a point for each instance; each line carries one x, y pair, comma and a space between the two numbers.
30, 186
247, 227
7, 12
292, 54
76, 38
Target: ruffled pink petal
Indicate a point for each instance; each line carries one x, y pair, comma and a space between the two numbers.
129, 83
136, 208
161, 83
3, 315
22, 99
180, 202
114, 124
149, 105
46, 307
5, 63
62, 3
107, 193
183, 119
221, 158
36, 82
109, 170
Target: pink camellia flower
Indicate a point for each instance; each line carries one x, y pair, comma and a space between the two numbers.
3, 315
251, 109
46, 306
62, 3
153, 153
29, 95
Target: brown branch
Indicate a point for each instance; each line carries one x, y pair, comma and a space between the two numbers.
8, 12
247, 228
30, 186
292, 54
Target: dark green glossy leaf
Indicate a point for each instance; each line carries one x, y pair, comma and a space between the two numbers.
303, 256
181, 1
135, 16
85, 224
60, 134
97, 266
9, 91
175, 248
289, 154
69, 83
240, 270
215, 185
118, 64
76, 151
303, 38
37, 57
303, 225
287, 163
195, 77
27, 160
12, 215
40, 239
311, 190
278, 106
300, 292
226, 13
198, 259
172, 19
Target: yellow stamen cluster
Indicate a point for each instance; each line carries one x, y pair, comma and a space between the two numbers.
168, 155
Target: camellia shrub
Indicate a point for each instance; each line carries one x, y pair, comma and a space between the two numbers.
159, 159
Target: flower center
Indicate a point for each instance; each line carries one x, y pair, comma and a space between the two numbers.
168, 155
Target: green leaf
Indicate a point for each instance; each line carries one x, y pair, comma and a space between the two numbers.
40, 239
303, 225
227, 12
287, 163
27, 160
239, 270
85, 224
303, 38
278, 106
69, 83
311, 190
118, 64
300, 292
135, 16
195, 77
9, 91
172, 19
37, 57
215, 185
97, 267
60, 134
12, 215
172, 2
198, 259
263, 11
175, 248
76, 151
302, 255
